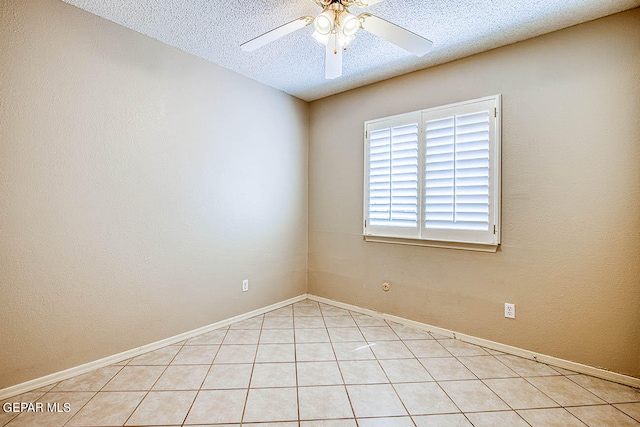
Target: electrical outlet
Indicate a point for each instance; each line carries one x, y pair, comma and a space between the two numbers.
509, 310
245, 285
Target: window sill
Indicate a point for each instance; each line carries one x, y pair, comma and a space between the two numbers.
433, 243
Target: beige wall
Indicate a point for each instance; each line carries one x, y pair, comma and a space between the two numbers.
138, 186
570, 258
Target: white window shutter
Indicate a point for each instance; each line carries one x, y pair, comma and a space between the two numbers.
434, 176
391, 187
458, 176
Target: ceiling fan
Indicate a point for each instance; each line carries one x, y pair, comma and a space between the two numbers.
335, 28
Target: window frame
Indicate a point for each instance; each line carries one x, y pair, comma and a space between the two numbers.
487, 241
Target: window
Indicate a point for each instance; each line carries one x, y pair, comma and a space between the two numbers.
432, 177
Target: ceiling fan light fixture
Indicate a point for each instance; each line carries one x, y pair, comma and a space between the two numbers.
324, 23
323, 39
349, 24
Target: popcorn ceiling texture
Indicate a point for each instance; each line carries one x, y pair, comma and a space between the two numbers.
215, 29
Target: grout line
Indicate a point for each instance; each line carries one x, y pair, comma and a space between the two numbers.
344, 382
295, 358
206, 375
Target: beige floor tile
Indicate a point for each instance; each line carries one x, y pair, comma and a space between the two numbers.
386, 422
196, 355
276, 336
425, 399
446, 369
75, 400
340, 322
278, 323
485, 367
311, 335
391, 350
235, 354
519, 394
353, 351
409, 333
162, 408
122, 362
376, 400
405, 371
607, 390
182, 377
603, 416
135, 378
284, 424
493, 352
318, 373
459, 348
552, 417
631, 409
496, 419
473, 396
331, 311
324, 402
363, 372
229, 376
438, 336
306, 312
110, 408
345, 334
271, 404
276, 353
242, 336
213, 337
314, 352
310, 322
162, 356
273, 375
91, 381
562, 370
281, 312
525, 367
379, 333
427, 348
364, 320
565, 391
444, 420
328, 423
217, 406
252, 323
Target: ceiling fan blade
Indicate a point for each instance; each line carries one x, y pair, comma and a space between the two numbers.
397, 35
276, 33
332, 59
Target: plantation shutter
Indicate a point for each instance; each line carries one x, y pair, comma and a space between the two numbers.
458, 173
392, 202
432, 177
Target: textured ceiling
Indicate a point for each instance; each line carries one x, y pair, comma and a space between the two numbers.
214, 30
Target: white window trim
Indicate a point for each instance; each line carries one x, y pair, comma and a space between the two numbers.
389, 236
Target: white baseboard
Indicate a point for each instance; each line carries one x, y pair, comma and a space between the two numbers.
516, 351
109, 360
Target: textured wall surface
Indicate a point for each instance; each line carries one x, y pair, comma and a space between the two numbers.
138, 186
570, 257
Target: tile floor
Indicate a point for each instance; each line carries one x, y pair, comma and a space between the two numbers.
313, 365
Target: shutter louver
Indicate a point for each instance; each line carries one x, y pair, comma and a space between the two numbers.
393, 177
